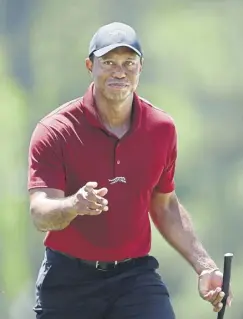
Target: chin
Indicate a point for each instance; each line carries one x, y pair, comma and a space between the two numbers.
117, 96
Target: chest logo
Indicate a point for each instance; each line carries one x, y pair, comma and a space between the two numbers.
117, 180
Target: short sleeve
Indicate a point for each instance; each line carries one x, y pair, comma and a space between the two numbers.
45, 160
166, 182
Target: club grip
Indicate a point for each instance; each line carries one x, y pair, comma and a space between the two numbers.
226, 282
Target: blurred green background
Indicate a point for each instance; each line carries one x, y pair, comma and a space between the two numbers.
193, 70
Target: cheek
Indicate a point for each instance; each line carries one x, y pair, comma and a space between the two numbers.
99, 77
98, 73
135, 74
134, 77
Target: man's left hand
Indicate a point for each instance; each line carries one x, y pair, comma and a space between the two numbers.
209, 286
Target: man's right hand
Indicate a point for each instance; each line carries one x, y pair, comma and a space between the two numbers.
89, 200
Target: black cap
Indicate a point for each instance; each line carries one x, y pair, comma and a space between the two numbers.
112, 36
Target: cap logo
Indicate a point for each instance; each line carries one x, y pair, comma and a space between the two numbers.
117, 35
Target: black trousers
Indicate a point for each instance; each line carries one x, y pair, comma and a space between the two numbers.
69, 289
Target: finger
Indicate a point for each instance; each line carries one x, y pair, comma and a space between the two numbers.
214, 297
95, 205
213, 294
230, 298
101, 192
207, 296
101, 200
218, 307
90, 186
217, 297
217, 300
90, 211
229, 301
92, 197
93, 212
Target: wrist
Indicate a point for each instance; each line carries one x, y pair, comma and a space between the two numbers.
208, 271
68, 207
205, 264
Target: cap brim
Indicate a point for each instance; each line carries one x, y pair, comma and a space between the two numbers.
111, 47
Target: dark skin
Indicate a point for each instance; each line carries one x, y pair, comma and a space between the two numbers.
175, 225
116, 77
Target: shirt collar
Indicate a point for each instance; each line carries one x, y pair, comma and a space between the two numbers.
90, 110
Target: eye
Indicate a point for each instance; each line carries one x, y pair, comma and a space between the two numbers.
108, 62
130, 63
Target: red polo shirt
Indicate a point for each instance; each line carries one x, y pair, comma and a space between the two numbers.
70, 147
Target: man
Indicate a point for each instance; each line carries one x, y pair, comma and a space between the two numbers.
98, 166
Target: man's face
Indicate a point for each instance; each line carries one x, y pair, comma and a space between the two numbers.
116, 74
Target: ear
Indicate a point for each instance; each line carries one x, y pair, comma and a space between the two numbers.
88, 64
141, 64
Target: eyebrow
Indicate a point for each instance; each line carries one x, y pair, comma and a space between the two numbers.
132, 58
111, 58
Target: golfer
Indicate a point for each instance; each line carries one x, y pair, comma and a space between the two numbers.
99, 166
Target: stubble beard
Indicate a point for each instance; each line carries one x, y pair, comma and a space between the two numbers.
118, 96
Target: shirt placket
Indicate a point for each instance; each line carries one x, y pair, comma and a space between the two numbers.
117, 160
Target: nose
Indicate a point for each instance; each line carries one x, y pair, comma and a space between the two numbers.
119, 72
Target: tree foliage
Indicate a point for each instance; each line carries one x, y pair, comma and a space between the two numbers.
192, 70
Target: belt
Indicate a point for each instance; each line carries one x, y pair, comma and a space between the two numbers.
99, 265
103, 265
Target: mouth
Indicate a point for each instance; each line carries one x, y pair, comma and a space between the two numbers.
117, 85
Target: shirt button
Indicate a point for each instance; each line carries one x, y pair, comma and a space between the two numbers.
118, 162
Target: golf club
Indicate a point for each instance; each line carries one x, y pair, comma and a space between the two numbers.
226, 282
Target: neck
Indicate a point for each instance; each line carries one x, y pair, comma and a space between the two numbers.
114, 113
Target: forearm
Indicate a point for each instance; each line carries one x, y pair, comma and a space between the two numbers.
52, 214
176, 227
